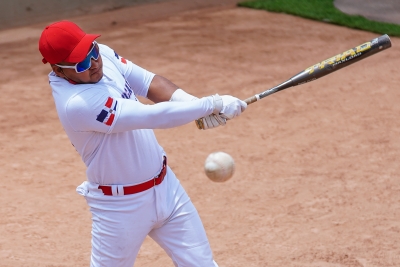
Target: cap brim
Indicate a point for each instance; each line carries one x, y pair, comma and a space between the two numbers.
82, 49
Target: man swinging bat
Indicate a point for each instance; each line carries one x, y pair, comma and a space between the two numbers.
130, 189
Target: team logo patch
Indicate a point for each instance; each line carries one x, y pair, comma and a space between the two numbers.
107, 115
123, 60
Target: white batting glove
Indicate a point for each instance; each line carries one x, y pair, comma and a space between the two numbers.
212, 121
208, 122
231, 107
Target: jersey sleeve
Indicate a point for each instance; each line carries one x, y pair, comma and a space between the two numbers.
135, 115
97, 111
138, 78
92, 111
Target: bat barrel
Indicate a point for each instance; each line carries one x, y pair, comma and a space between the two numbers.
342, 60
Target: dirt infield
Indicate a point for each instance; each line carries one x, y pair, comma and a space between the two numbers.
317, 171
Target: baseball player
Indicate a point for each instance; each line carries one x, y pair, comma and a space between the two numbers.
130, 189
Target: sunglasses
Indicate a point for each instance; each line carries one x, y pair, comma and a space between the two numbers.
87, 62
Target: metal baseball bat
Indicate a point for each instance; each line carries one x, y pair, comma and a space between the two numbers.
325, 67
329, 65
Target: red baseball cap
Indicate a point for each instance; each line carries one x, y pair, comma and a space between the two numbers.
65, 41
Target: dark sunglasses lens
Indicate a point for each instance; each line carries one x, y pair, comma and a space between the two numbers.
95, 52
83, 65
87, 62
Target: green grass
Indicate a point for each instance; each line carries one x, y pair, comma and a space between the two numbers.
323, 10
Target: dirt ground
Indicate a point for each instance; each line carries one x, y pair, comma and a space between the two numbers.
317, 171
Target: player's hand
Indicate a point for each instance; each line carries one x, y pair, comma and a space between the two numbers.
231, 107
211, 121
225, 108
208, 122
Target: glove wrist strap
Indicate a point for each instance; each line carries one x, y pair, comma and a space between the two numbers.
218, 105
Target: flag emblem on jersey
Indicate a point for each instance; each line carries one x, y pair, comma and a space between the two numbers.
123, 60
107, 114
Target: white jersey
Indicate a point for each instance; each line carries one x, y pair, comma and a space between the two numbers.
129, 152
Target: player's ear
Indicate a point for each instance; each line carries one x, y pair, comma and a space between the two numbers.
57, 70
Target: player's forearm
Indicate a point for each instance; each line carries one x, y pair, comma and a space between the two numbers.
134, 115
161, 89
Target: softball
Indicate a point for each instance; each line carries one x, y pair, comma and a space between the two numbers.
219, 167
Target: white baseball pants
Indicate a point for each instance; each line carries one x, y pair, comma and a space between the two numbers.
164, 212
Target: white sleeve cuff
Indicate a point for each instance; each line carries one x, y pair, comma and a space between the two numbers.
182, 96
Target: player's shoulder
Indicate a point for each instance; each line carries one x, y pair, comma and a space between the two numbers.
108, 52
87, 96
64, 91
105, 49
111, 56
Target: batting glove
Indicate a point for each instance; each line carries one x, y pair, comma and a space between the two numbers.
231, 107
208, 122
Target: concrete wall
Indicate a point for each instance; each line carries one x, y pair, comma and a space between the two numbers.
14, 13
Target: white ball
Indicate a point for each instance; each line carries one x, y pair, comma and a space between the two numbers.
219, 166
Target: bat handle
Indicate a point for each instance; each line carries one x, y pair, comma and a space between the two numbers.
252, 99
